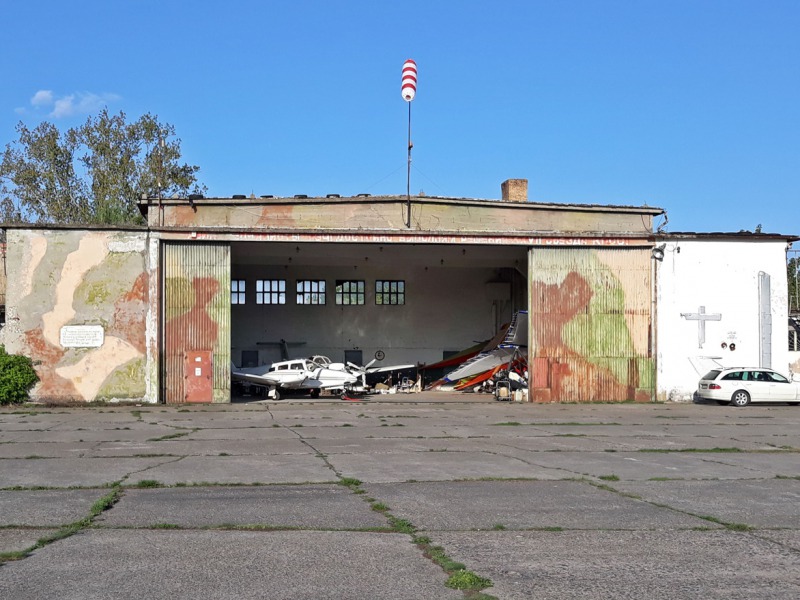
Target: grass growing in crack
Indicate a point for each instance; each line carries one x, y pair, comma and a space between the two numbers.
467, 580
499, 527
172, 436
401, 525
729, 526
611, 477
459, 577
350, 482
100, 505
165, 526
507, 424
148, 483
438, 555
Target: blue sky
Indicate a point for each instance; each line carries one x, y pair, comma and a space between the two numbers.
689, 105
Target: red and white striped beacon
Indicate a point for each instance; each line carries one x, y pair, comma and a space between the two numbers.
409, 85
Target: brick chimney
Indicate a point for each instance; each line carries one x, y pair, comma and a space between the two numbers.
514, 190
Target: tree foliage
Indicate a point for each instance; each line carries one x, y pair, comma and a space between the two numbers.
793, 276
17, 377
91, 174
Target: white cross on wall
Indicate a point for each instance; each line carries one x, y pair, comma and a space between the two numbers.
701, 317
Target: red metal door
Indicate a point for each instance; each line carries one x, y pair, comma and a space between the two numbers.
197, 376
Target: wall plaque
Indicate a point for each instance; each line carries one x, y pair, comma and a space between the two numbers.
82, 336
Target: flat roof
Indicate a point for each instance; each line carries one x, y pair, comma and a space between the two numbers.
370, 199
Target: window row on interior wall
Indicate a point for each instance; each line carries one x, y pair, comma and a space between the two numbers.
347, 292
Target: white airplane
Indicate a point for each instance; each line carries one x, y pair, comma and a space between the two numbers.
315, 373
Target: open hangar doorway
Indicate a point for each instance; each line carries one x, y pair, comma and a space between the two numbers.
361, 302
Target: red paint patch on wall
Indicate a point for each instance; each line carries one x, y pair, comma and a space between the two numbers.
195, 329
129, 315
276, 215
46, 358
560, 373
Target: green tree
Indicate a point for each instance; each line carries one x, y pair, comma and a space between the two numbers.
91, 174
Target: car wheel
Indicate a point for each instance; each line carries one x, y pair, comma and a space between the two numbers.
740, 398
723, 402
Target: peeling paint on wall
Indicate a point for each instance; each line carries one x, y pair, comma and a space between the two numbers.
197, 316
590, 324
67, 278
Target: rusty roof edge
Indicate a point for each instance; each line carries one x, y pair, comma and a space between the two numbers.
405, 232
682, 235
74, 226
651, 210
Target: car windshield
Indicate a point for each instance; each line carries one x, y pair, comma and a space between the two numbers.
712, 374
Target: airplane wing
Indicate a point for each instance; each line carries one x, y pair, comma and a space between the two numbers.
390, 368
263, 376
255, 378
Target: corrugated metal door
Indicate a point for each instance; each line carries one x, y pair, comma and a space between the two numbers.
590, 315
196, 316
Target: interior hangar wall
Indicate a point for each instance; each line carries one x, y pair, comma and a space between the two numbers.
77, 305
590, 325
446, 308
719, 303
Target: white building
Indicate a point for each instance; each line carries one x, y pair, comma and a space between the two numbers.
721, 299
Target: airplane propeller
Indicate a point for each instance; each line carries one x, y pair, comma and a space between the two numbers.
356, 370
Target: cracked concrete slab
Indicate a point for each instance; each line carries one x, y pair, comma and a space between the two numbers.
50, 508
311, 506
487, 505
71, 472
296, 565
21, 539
623, 564
439, 466
283, 468
758, 503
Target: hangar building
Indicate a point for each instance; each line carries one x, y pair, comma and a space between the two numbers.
158, 313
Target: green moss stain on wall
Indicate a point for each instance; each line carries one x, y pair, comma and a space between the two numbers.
126, 381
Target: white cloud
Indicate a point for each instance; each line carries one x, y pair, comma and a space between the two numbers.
81, 103
70, 105
42, 98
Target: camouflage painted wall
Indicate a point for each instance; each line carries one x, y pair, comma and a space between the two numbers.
590, 325
58, 279
380, 213
197, 318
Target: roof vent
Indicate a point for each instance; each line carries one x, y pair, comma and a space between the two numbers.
363, 195
301, 196
333, 196
239, 196
195, 196
268, 196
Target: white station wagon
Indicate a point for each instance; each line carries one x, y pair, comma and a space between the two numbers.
741, 385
